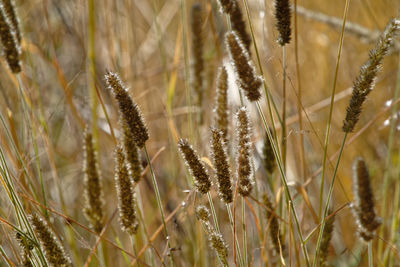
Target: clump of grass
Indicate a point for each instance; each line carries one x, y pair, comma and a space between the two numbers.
53, 250
92, 183
363, 206
202, 180
245, 71
9, 40
244, 153
283, 18
364, 82
221, 104
129, 111
221, 165
197, 50
126, 194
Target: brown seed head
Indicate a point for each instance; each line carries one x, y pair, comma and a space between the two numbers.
276, 237
365, 80
243, 159
363, 206
219, 245
202, 213
92, 184
9, 41
197, 50
282, 15
53, 250
221, 165
132, 153
227, 6
268, 155
326, 239
9, 10
129, 111
126, 194
202, 180
221, 106
247, 79
239, 26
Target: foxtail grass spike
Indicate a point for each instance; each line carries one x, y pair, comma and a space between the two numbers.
245, 71
197, 22
326, 240
268, 155
363, 206
53, 250
221, 106
92, 183
126, 194
221, 165
132, 153
9, 40
365, 81
283, 17
272, 220
239, 26
9, 10
128, 109
227, 6
202, 213
26, 246
244, 153
202, 180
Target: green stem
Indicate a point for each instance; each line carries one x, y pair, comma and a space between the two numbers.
236, 240
214, 214
284, 141
370, 255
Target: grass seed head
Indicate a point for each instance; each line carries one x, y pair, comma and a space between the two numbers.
276, 237
9, 40
132, 153
268, 155
197, 23
221, 110
9, 10
239, 26
283, 17
326, 239
202, 213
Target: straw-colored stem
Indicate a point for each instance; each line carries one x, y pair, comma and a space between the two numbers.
370, 254
323, 220
159, 203
244, 232
236, 242
284, 143
214, 214
328, 127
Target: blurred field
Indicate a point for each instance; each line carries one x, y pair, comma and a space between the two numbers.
67, 48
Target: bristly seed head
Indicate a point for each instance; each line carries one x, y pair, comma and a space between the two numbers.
221, 165
92, 183
283, 17
268, 154
126, 194
365, 81
244, 147
245, 71
53, 250
202, 213
132, 153
326, 239
239, 26
129, 111
221, 110
276, 237
202, 180
227, 6
363, 206
9, 10
197, 22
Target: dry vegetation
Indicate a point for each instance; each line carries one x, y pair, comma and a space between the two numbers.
94, 91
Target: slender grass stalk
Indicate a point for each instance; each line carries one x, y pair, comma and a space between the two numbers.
328, 127
214, 214
284, 141
323, 220
370, 254
159, 203
235, 241
245, 260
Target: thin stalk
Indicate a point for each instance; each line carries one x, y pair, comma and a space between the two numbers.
370, 255
321, 231
244, 232
214, 214
284, 141
159, 203
389, 260
328, 127
236, 242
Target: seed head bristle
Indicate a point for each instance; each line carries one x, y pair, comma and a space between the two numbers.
221, 165
239, 26
9, 40
326, 239
132, 153
129, 111
276, 237
126, 194
365, 80
53, 250
244, 147
219, 245
92, 184
283, 17
268, 155
221, 106
227, 6
197, 22
202, 180
245, 71
363, 206
202, 213
9, 10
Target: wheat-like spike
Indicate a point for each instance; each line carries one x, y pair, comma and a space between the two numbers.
202, 180
268, 155
227, 6
276, 237
92, 183
9, 10
9, 40
197, 22
365, 80
221, 165
53, 250
245, 71
126, 194
283, 17
129, 110
132, 153
26, 247
202, 213
244, 153
239, 26
363, 206
326, 239
221, 110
